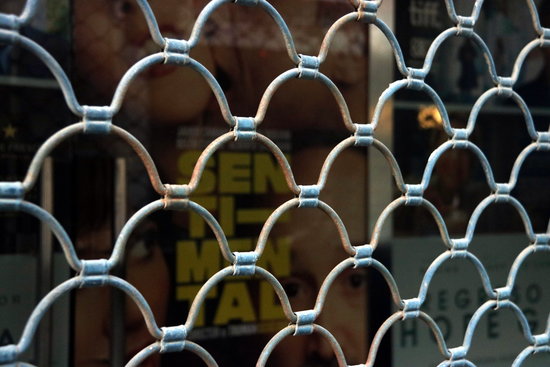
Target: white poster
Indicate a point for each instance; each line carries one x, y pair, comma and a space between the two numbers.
456, 292
18, 298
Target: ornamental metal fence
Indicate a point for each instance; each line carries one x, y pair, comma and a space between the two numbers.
98, 120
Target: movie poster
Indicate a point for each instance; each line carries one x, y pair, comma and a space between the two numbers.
174, 113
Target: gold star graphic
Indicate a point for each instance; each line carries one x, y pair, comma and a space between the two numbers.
9, 131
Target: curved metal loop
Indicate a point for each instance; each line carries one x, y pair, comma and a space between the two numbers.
535, 18
383, 27
202, 19
331, 33
522, 57
514, 174
60, 136
398, 317
478, 41
464, 144
495, 198
117, 254
201, 353
327, 282
52, 223
401, 201
160, 58
47, 301
406, 83
280, 291
295, 73
51, 63
216, 228
461, 363
493, 92
455, 18
154, 348
495, 305
57, 229
527, 352
350, 263
200, 298
44, 151
516, 266
151, 20
16, 21
213, 5
143, 354
281, 159
289, 331
215, 145
350, 142
29, 11
294, 203
444, 257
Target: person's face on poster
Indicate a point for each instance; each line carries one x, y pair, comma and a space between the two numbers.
110, 36
316, 250
143, 265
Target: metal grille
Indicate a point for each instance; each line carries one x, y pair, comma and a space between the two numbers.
170, 339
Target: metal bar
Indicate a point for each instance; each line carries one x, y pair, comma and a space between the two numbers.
118, 337
45, 264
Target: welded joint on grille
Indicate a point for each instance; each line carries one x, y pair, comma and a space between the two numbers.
413, 195
504, 87
465, 25
411, 308
540, 340
542, 239
543, 141
460, 138
460, 244
8, 353
245, 263
460, 134
304, 322
245, 128
367, 11
503, 189
94, 272
363, 256
176, 51
247, 2
458, 353
415, 79
309, 67
177, 191
363, 134
173, 339
95, 267
309, 196
97, 119
12, 190
503, 294
10, 22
